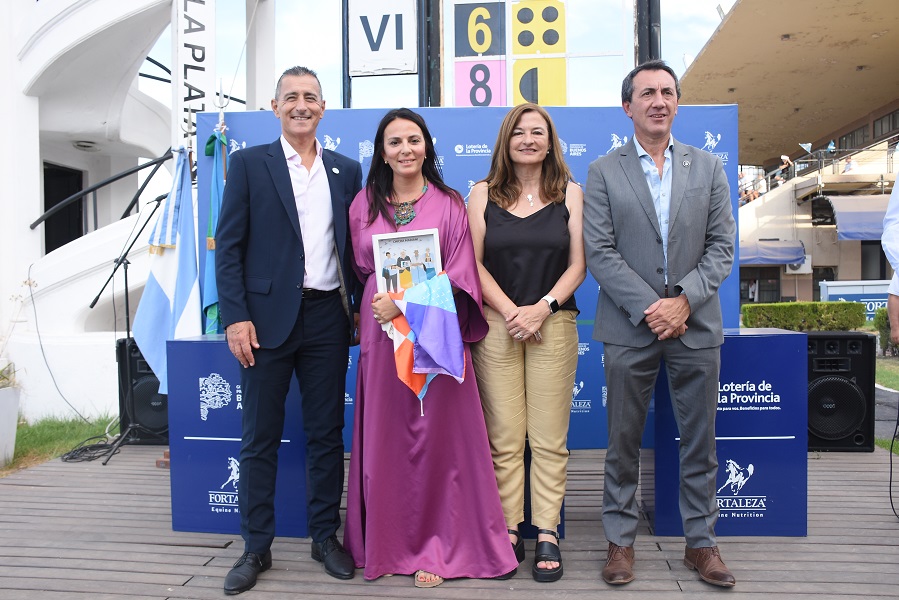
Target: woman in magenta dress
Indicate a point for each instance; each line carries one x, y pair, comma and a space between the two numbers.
422, 497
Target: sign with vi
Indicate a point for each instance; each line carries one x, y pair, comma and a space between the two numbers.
383, 36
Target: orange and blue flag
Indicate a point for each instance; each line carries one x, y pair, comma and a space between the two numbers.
427, 340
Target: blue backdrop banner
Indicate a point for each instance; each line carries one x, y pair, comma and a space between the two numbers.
464, 139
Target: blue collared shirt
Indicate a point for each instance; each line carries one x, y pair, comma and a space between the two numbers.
660, 189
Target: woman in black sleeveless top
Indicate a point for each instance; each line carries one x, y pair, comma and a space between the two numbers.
525, 219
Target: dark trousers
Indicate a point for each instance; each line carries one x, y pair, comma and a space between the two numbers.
316, 351
693, 384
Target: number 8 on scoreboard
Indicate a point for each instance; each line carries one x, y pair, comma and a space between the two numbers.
480, 66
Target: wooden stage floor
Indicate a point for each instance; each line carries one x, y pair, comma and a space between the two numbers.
83, 530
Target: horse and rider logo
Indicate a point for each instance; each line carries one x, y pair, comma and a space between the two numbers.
234, 146
234, 477
737, 476
331, 143
578, 386
617, 142
711, 141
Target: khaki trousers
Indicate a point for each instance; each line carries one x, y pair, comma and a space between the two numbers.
526, 390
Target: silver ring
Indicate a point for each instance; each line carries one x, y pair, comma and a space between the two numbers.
519, 336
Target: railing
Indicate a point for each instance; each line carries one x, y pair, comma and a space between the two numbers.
876, 159
156, 163
879, 157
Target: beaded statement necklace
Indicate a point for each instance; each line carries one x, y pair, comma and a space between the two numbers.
404, 212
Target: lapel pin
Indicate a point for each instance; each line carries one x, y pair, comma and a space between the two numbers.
335, 170
686, 163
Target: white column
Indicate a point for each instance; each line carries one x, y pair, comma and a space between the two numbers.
21, 174
262, 74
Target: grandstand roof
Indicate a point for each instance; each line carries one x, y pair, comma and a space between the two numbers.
798, 70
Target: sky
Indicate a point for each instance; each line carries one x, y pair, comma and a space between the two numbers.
308, 32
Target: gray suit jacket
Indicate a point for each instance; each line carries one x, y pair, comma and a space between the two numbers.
624, 246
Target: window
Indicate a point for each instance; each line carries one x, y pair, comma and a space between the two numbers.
767, 281
855, 140
820, 274
822, 211
886, 124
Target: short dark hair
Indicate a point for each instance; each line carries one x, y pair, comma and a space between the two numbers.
627, 86
298, 72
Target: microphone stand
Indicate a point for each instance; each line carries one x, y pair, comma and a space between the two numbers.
122, 261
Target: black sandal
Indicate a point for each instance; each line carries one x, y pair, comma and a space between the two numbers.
547, 552
518, 546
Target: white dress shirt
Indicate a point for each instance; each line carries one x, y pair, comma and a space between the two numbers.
312, 195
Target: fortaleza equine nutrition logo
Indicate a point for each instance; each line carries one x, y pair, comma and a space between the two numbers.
711, 142
617, 142
215, 393
732, 502
224, 499
331, 143
582, 405
234, 146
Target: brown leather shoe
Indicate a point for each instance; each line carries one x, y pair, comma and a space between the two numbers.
710, 566
619, 567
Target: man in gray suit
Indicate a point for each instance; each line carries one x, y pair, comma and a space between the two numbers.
659, 236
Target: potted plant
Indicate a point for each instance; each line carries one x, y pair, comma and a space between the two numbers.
9, 412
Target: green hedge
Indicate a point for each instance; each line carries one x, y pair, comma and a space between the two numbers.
882, 324
805, 316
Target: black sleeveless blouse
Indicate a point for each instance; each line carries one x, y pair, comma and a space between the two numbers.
527, 255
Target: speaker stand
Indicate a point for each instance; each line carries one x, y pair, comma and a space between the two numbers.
123, 437
129, 396
122, 261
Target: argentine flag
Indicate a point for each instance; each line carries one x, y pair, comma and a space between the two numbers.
170, 306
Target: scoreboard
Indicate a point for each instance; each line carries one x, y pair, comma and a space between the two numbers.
505, 53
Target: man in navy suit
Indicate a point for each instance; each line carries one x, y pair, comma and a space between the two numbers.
286, 283
659, 236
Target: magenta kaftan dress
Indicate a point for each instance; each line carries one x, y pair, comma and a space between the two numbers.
422, 493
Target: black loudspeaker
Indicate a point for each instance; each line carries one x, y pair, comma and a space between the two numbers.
143, 411
841, 391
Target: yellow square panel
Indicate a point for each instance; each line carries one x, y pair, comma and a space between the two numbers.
540, 80
538, 27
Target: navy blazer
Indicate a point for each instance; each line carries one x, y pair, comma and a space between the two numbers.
259, 256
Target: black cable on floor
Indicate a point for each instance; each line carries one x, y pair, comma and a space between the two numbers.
87, 451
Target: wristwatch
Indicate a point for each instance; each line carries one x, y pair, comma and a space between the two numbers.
553, 303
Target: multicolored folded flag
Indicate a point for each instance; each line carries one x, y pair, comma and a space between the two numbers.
427, 340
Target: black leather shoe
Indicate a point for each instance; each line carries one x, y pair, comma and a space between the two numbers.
338, 562
242, 575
